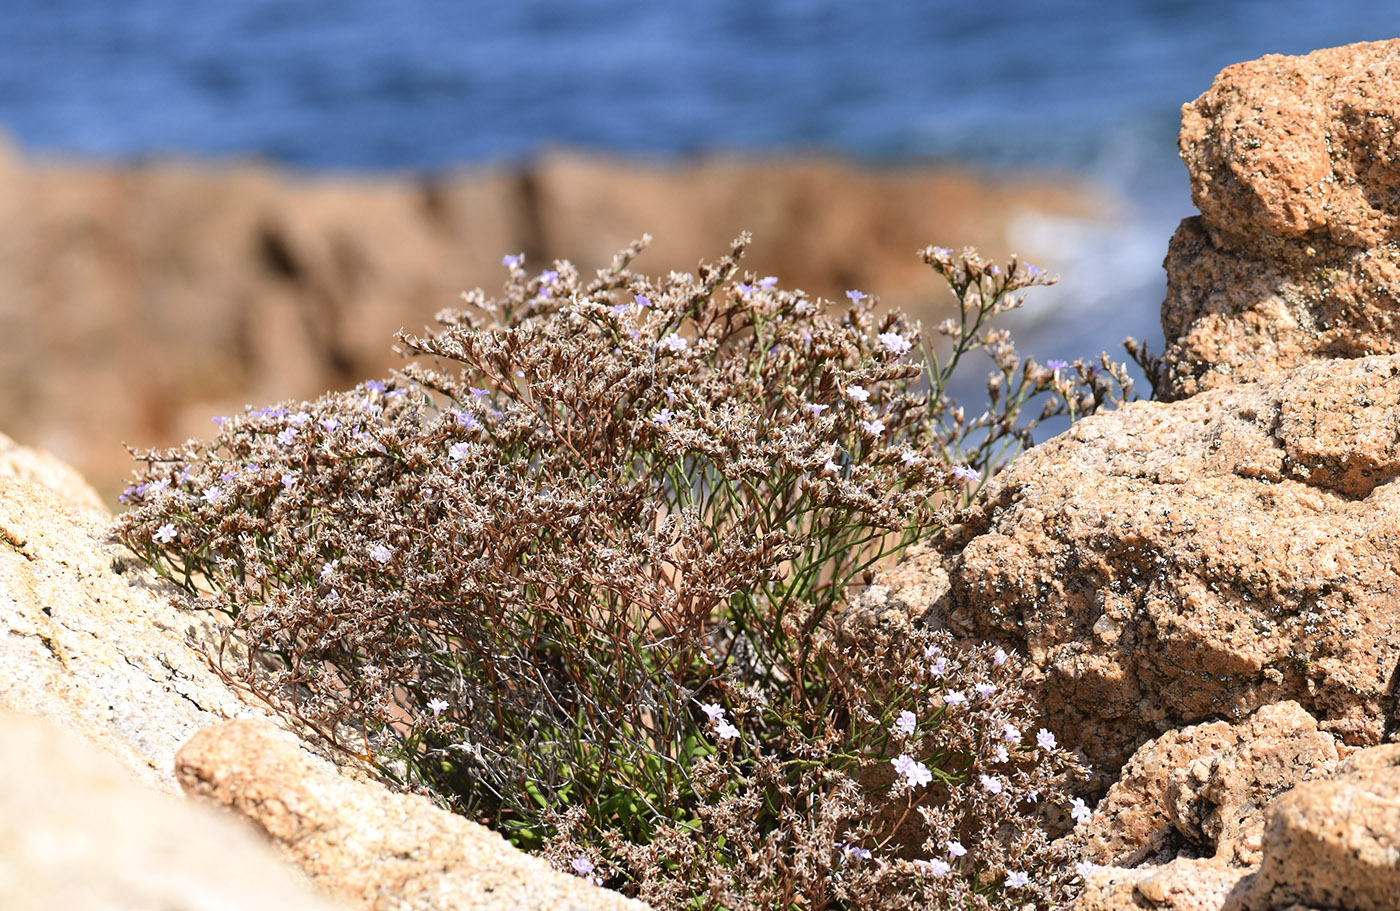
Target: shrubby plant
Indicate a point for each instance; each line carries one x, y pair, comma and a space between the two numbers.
580, 570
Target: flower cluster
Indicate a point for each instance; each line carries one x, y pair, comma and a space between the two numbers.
513, 571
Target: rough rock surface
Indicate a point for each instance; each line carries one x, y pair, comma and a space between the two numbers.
1169, 564
79, 833
1203, 789
88, 639
368, 848
1295, 167
153, 297
1335, 843
1181, 884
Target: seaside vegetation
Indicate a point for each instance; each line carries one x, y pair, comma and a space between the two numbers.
579, 570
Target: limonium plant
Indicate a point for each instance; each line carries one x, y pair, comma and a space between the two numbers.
581, 570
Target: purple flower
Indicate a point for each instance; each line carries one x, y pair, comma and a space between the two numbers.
300, 418
1034, 271
939, 666
479, 393
1086, 868
953, 697
642, 300
966, 474
874, 428
330, 424
712, 709
999, 657
1081, 811
213, 495
768, 281
906, 723
991, 784
1056, 364
582, 866
662, 417
858, 393
437, 706
513, 262
165, 534
1045, 739
955, 849
831, 467
288, 480
854, 851
328, 569
942, 252
1017, 880
744, 288
670, 395
909, 457
673, 342
856, 296
287, 435
375, 386
726, 731
156, 488
380, 554
549, 277
219, 420
466, 420
459, 451
985, 689
935, 867
915, 773
1010, 734
895, 343
818, 409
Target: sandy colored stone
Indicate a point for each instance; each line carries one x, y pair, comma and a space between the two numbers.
1169, 564
79, 832
1294, 167
1204, 789
1182, 884
364, 846
87, 638
152, 297
1336, 843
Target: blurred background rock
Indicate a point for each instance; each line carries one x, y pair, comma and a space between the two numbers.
215, 204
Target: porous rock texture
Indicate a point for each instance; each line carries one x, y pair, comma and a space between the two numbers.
1295, 167
369, 849
79, 832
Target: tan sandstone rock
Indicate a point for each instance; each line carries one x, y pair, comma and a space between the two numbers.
1295, 167
78, 832
364, 846
1181, 884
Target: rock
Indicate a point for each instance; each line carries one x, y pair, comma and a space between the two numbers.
153, 297
79, 831
1293, 164
88, 639
367, 847
1182, 884
1334, 844
1203, 790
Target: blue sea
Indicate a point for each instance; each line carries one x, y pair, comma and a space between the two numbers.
1084, 86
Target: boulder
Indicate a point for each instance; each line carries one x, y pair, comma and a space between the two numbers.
79, 831
1295, 167
364, 846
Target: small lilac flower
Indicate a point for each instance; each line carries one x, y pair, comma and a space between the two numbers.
437, 706
909, 457
459, 451
375, 386
932, 651
219, 420
953, 697
253, 468
999, 657
619, 309
966, 474
985, 689
939, 666
831, 467
768, 281
858, 393
1056, 364
1086, 868
1081, 811
165, 534
187, 474
935, 867
955, 849
300, 418
713, 709
906, 723
855, 851
1045, 739
1034, 271
328, 569
380, 554
914, 772
991, 784
1010, 734
286, 436
818, 409
1017, 880
856, 296
942, 251
1000, 755
213, 495
520, 374
227, 477
895, 343
642, 300
874, 428
513, 262
673, 342
330, 424
466, 420
549, 277
289, 479
726, 731
581, 866
156, 488
663, 417
670, 395
744, 288
479, 393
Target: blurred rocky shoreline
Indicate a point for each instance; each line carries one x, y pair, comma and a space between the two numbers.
139, 300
